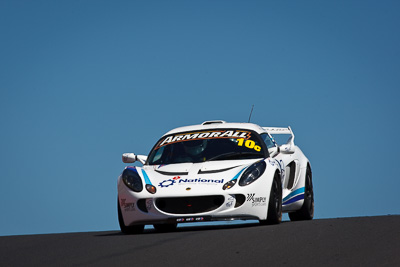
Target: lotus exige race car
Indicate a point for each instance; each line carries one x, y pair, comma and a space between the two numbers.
215, 171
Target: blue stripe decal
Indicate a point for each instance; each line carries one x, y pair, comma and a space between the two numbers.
296, 198
295, 192
237, 175
146, 178
132, 168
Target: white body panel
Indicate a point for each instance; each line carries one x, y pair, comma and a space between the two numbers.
212, 185
188, 180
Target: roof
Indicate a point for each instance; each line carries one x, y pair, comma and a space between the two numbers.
218, 125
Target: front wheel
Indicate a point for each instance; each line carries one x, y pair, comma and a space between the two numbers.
129, 230
307, 210
274, 215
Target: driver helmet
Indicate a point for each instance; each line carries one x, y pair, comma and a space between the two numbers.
195, 147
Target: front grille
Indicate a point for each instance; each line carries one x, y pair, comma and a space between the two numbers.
189, 205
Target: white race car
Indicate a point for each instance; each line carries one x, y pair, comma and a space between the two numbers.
215, 171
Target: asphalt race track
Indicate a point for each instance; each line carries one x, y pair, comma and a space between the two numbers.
360, 241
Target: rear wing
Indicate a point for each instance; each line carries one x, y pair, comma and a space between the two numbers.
281, 130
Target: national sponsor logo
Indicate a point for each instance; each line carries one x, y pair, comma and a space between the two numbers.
181, 181
256, 201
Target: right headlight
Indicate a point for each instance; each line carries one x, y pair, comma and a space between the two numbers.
132, 180
253, 173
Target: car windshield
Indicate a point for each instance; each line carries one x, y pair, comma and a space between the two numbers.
220, 144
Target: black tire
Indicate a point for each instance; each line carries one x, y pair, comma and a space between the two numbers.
170, 227
307, 210
274, 215
128, 230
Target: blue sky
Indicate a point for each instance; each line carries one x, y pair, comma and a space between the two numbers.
82, 82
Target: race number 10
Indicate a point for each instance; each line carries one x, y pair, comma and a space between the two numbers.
249, 144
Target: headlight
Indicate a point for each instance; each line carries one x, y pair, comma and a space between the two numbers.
252, 173
151, 188
132, 180
229, 184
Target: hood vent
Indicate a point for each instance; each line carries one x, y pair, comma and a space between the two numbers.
172, 173
215, 171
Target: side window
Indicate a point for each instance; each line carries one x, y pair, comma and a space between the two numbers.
267, 140
158, 154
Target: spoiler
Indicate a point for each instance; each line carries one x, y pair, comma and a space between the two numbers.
281, 130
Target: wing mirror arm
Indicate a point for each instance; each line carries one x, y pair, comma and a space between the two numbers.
141, 158
273, 151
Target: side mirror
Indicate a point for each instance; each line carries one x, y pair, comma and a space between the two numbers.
287, 149
131, 158
128, 158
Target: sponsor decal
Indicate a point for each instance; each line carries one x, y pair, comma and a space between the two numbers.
204, 135
192, 219
256, 201
250, 197
272, 162
166, 183
249, 144
230, 201
170, 182
127, 206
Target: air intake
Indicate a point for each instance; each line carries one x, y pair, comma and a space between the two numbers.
213, 122
189, 205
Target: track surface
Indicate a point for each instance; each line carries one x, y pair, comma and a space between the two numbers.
362, 241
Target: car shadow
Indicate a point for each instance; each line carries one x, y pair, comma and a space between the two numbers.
192, 228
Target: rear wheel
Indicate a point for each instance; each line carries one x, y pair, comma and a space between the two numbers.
129, 230
165, 227
274, 215
307, 210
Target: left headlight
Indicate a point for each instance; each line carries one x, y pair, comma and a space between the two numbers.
253, 173
132, 180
